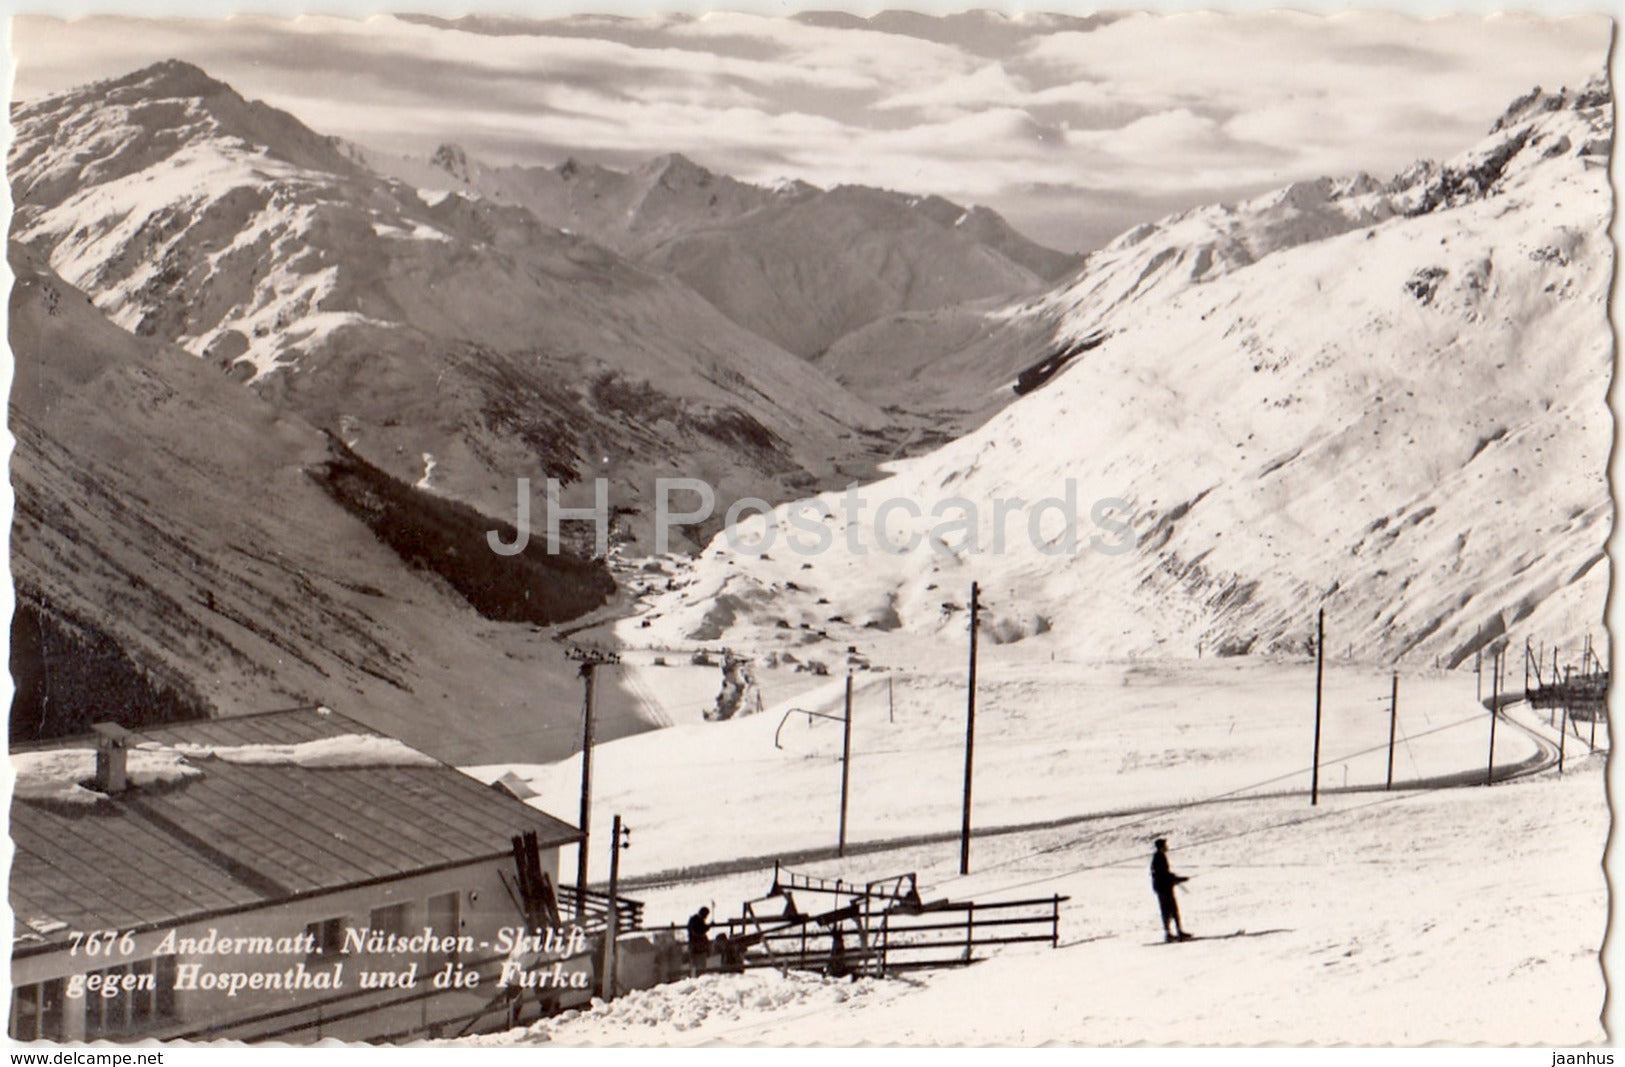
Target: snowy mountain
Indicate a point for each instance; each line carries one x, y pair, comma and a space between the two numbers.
630, 212
1385, 398
959, 358
455, 340
808, 272
170, 540
799, 265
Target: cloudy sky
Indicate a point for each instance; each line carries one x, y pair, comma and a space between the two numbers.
1074, 127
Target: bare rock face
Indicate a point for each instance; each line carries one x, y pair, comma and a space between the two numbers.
739, 695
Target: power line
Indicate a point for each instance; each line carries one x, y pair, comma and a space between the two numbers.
1200, 842
1174, 808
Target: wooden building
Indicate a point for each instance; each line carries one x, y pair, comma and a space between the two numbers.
288, 876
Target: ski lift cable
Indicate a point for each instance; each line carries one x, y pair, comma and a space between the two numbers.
1203, 841
1136, 857
1410, 753
1164, 812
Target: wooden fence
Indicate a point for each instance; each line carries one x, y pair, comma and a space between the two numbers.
946, 934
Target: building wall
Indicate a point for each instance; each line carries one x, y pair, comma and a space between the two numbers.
348, 1012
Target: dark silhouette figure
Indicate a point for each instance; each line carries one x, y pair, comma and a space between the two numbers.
732, 953
837, 954
1163, 881
699, 941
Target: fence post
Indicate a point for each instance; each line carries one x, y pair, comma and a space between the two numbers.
885, 940
970, 930
1055, 929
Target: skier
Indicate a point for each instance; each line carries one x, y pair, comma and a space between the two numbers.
699, 941
1163, 881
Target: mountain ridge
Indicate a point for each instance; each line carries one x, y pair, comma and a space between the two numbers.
770, 257
170, 514
1392, 403
410, 326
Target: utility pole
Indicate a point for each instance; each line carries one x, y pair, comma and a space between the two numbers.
846, 762
1478, 674
1393, 728
620, 837
1495, 704
590, 659
1555, 681
970, 732
1567, 674
1562, 740
1320, 666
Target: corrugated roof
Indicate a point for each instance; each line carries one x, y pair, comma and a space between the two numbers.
243, 834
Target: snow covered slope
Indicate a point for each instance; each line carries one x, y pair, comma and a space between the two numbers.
413, 324
1390, 401
168, 510
954, 357
1357, 926
1361, 913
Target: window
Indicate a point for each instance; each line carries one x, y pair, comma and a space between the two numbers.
390, 919
129, 998
326, 936
446, 920
36, 1011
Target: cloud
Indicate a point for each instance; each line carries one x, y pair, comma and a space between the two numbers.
1051, 119
980, 87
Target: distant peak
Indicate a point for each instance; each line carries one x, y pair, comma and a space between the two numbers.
787, 186
1595, 93
171, 78
675, 165
452, 159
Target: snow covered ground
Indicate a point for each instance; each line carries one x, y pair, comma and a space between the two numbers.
1375, 919
1055, 740
1455, 915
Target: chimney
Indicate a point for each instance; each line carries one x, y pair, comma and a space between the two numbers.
112, 752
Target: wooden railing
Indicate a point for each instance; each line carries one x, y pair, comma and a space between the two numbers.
940, 935
596, 917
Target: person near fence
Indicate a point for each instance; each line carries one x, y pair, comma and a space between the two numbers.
1163, 881
699, 941
838, 967
732, 951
